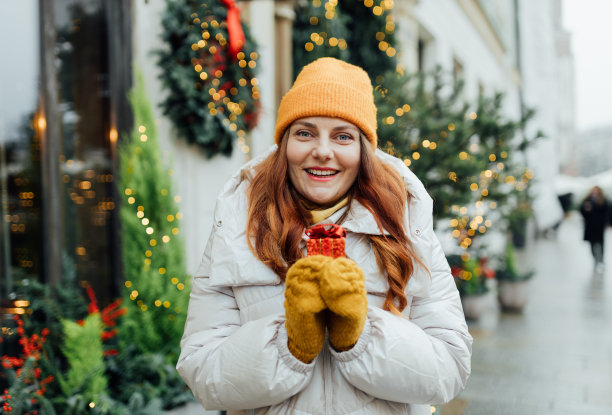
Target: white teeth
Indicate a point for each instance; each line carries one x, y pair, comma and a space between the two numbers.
321, 172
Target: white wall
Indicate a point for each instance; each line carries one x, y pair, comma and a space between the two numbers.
539, 74
566, 107
455, 37
197, 180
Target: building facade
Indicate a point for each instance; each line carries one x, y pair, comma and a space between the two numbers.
64, 112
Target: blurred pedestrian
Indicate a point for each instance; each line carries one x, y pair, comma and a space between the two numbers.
272, 329
594, 209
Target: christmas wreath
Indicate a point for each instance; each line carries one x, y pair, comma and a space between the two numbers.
208, 69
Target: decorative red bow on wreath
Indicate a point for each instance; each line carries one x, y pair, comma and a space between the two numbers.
235, 33
326, 239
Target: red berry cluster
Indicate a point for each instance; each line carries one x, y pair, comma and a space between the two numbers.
30, 346
6, 406
109, 316
31, 349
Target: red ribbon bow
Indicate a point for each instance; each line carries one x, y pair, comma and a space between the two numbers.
329, 230
234, 28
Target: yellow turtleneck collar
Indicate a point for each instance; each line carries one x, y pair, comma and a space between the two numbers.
319, 214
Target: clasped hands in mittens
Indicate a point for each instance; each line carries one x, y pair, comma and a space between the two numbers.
321, 291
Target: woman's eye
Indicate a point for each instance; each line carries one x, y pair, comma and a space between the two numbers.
344, 137
303, 134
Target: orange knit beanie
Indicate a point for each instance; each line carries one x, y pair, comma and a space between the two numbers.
329, 87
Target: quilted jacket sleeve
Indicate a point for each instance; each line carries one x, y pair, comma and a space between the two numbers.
228, 365
421, 360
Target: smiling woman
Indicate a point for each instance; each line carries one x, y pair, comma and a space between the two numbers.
376, 329
323, 156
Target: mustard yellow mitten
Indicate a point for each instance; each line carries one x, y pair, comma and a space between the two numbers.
304, 307
344, 293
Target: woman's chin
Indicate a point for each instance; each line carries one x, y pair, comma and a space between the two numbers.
324, 198
320, 201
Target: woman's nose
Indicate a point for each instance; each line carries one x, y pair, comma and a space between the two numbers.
323, 149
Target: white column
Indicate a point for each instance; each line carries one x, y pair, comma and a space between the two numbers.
407, 34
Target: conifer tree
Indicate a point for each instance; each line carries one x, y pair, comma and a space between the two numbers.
466, 155
156, 289
84, 354
428, 129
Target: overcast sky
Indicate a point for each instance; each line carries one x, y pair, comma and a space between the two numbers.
591, 26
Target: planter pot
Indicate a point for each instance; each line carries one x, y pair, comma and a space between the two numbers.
519, 233
518, 239
513, 294
475, 306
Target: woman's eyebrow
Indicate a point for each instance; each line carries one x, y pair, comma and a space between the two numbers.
314, 126
344, 127
306, 124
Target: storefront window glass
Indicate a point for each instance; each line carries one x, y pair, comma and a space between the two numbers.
85, 164
20, 192
67, 105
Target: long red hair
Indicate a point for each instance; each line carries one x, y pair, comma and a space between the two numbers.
276, 220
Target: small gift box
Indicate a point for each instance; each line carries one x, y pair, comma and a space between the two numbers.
326, 239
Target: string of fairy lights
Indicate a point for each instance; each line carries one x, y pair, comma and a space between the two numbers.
223, 96
153, 242
322, 38
469, 221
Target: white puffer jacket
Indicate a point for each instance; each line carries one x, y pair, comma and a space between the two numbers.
234, 353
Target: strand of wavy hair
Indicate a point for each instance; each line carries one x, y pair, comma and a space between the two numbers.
381, 190
275, 218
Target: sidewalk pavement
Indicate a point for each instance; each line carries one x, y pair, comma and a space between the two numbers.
556, 356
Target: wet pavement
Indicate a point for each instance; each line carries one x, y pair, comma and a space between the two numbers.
556, 356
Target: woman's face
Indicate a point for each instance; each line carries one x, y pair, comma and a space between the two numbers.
596, 191
324, 155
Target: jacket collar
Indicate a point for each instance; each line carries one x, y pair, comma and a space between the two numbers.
358, 220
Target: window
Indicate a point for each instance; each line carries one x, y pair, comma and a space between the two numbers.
67, 107
20, 186
421, 54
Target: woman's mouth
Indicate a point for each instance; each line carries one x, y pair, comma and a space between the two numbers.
321, 174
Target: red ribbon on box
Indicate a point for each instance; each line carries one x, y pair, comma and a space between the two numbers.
326, 239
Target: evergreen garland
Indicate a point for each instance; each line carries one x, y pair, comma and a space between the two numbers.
213, 97
361, 32
157, 289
